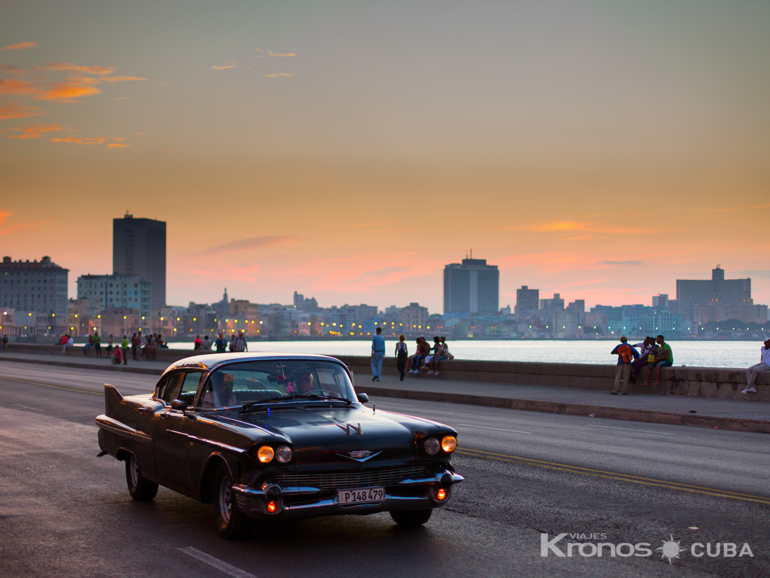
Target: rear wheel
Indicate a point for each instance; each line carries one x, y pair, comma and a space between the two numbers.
140, 488
411, 518
230, 522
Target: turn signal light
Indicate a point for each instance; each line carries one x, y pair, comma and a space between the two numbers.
265, 454
272, 507
441, 495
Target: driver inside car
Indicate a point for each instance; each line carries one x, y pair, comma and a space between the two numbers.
304, 383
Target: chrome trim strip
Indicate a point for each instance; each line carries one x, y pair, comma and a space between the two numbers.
456, 479
114, 426
258, 493
209, 442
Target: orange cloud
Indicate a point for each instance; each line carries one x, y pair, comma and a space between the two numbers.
244, 244
116, 145
12, 69
581, 227
80, 140
5, 215
118, 138
215, 67
68, 90
20, 46
289, 74
35, 130
13, 86
16, 110
122, 78
98, 70
284, 55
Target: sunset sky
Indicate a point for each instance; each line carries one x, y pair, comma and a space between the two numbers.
349, 150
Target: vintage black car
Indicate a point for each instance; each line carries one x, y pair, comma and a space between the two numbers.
276, 437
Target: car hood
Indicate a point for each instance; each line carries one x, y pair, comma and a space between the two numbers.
325, 437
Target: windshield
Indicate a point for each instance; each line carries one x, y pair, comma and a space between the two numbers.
277, 380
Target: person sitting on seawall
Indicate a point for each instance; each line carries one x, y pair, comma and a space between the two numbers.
410, 361
626, 354
754, 370
664, 358
441, 355
434, 352
423, 349
648, 349
117, 357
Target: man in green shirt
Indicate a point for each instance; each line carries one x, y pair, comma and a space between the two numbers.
124, 345
664, 358
97, 344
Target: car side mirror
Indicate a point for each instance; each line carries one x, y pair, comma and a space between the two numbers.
363, 398
179, 405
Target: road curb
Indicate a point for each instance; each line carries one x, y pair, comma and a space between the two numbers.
641, 415
123, 368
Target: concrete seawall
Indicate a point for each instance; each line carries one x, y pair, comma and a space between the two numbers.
689, 381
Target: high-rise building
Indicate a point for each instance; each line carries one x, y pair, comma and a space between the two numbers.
35, 287
527, 302
139, 248
471, 287
730, 292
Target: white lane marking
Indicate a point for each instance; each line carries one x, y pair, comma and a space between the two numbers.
27, 407
494, 428
216, 563
660, 433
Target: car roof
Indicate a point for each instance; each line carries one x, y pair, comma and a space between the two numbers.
209, 361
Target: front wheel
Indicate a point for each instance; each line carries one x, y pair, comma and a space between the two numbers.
230, 522
411, 518
140, 488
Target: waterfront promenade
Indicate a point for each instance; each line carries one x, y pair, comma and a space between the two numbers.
530, 387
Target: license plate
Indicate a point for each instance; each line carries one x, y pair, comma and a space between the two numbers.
361, 496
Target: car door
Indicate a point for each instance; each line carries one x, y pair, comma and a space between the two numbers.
171, 437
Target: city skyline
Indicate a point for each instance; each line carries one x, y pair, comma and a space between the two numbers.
349, 152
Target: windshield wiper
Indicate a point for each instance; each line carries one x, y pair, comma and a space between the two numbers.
315, 396
251, 404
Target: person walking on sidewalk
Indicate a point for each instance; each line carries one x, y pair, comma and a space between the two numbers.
754, 370
221, 343
5, 343
402, 354
239, 343
124, 345
626, 354
664, 358
378, 353
97, 344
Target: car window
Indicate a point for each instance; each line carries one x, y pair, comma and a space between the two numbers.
170, 390
240, 383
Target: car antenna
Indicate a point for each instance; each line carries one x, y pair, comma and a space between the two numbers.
374, 408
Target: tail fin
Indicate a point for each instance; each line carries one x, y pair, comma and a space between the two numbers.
112, 400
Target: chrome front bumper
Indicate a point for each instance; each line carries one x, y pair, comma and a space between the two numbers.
253, 501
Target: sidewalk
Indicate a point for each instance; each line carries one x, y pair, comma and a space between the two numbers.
670, 409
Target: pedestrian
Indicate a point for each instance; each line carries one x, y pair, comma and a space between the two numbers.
221, 343
664, 358
64, 342
239, 343
70, 341
110, 344
124, 345
136, 343
197, 343
754, 370
410, 359
232, 342
423, 349
439, 356
433, 353
88, 344
206, 343
117, 358
402, 353
378, 353
5, 343
626, 354
97, 345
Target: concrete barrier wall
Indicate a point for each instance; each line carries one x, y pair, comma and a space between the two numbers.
692, 381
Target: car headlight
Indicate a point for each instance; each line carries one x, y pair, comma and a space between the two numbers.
431, 446
449, 444
265, 454
283, 454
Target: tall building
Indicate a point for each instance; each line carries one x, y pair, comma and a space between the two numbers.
34, 286
730, 292
471, 287
116, 291
527, 302
139, 248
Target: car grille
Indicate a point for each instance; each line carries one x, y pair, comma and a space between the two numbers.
351, 479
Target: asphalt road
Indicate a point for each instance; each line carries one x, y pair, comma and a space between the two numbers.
63, 512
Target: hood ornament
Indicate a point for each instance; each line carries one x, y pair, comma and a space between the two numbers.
349, 428
359, 455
